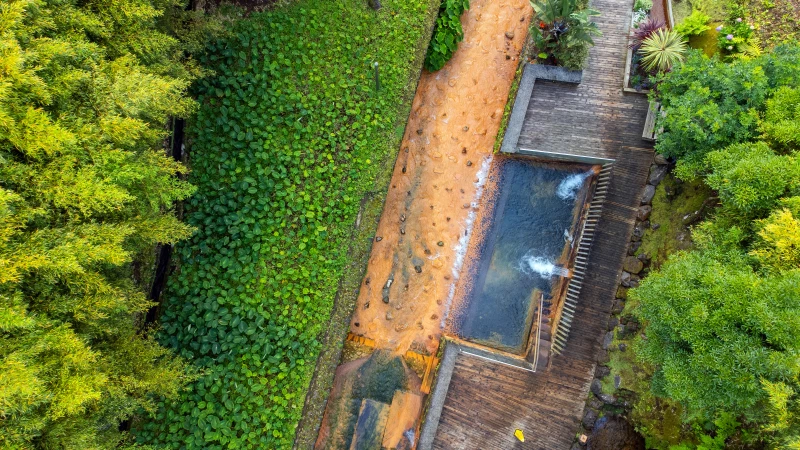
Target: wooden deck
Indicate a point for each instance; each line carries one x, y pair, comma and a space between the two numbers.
486, 402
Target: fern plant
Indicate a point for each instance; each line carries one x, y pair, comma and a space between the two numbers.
662, 50
696, 23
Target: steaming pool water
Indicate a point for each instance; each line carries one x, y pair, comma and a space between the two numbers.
529, 229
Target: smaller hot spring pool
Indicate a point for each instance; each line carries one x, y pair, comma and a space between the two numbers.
529, 229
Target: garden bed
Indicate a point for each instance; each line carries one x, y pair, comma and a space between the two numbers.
660, 11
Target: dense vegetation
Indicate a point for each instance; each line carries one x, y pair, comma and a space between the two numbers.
446, 34
721, 335
86, 90
284, 146
562, 31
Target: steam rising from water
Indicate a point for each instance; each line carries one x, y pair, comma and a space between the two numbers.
537, 265
569, 186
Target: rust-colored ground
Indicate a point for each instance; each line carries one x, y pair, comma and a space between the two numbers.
451, 131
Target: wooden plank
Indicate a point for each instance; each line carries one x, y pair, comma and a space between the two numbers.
486, 402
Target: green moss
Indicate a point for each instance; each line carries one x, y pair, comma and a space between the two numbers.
681, 9
674, 199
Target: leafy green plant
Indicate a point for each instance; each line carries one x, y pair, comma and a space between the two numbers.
662, 50
736, 34
289, 137
710, 104
562, 29
696, 23
446, 34
643, 5
644, 30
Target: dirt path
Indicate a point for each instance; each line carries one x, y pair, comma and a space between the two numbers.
437, 180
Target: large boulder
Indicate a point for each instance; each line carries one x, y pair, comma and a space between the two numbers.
632, 264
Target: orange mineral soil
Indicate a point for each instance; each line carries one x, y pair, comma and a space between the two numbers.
437, 180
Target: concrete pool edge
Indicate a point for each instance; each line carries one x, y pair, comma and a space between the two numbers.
530, 74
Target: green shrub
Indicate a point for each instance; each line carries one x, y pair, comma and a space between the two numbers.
562, 31
696, 23
446, 34
643, 5
709, 104
736, 34
289, 137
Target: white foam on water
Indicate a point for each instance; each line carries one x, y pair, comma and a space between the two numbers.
567, 237
570, 185
530, 265
463, 241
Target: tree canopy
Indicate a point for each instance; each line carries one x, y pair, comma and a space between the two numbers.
86, 90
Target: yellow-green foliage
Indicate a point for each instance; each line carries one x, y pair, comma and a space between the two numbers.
86, 89
778, 246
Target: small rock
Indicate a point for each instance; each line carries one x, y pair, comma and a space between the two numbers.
469, 163
643, 257
356, 324
607, 399
440, 243
657, 173
400, 328
638, 232
464, 150
465, 206
385, 299
607, 339
418, 269
466, 128
602, 357
589, 419
617, 307
596, 388
648, 194
623, 347
655, 226
622, 292
402, 230
634, 247
402, 217
434, 316
419, 131
595, 403
612, 322
404, 169
389, 315
509, 35
625, 278
660, 160
632, 264
692, 218
602, 372
617, 380
644, 212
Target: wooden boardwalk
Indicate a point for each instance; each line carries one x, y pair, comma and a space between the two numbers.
486, 402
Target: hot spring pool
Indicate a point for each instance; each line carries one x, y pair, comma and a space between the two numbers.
530, 225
